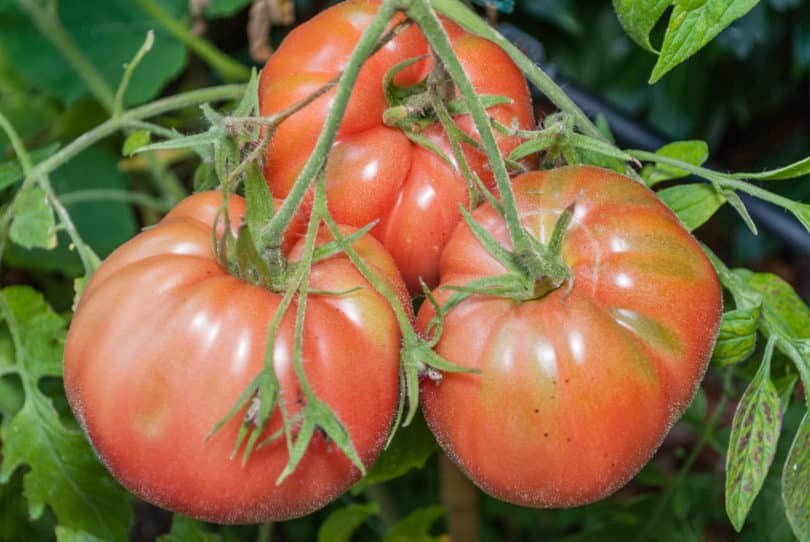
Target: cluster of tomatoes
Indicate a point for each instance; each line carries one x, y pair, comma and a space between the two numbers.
573, 390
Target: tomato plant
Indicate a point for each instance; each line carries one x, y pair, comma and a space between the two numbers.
248, 359
375, 171
578, 386
164, 340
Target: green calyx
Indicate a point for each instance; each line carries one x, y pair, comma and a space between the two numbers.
413, 108
409, 107
533, 271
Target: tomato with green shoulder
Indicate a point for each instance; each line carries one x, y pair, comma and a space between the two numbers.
577, 388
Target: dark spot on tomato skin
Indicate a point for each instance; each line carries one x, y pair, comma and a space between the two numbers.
568, 439
537, 411
567, 380
545, 435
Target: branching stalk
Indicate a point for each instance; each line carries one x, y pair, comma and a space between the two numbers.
716, 178
421, 12
86, 254
457, 12
107, 128
271, 235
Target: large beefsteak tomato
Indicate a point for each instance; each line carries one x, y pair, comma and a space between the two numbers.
577, 388
375, 171
164, 341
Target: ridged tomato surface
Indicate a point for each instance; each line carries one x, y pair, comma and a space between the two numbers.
164, 341
374, 171
578, 388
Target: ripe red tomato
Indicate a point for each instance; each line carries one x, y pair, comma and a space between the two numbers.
164, 341
374, 171
578, 388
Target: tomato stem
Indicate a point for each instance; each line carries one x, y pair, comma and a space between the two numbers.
88, 258
459, 497
421, 12
460, 14
271, 235
718, 179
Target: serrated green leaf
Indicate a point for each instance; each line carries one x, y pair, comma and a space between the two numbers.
752, 445
692, 151
784, 315
410, 449
416, 527
781, 304
638, 17
343, 522
136, 140
791, 171
796, 482
737, 338
693, 203
692, 25
106, 45
33, 225
102, 227
11, 172
185, 529
62, 470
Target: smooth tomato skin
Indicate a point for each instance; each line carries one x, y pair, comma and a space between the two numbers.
164, 341
374, 171
578, 388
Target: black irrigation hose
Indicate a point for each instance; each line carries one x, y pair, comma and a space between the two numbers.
631, 133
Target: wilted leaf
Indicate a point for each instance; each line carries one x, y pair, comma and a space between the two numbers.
751, 449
